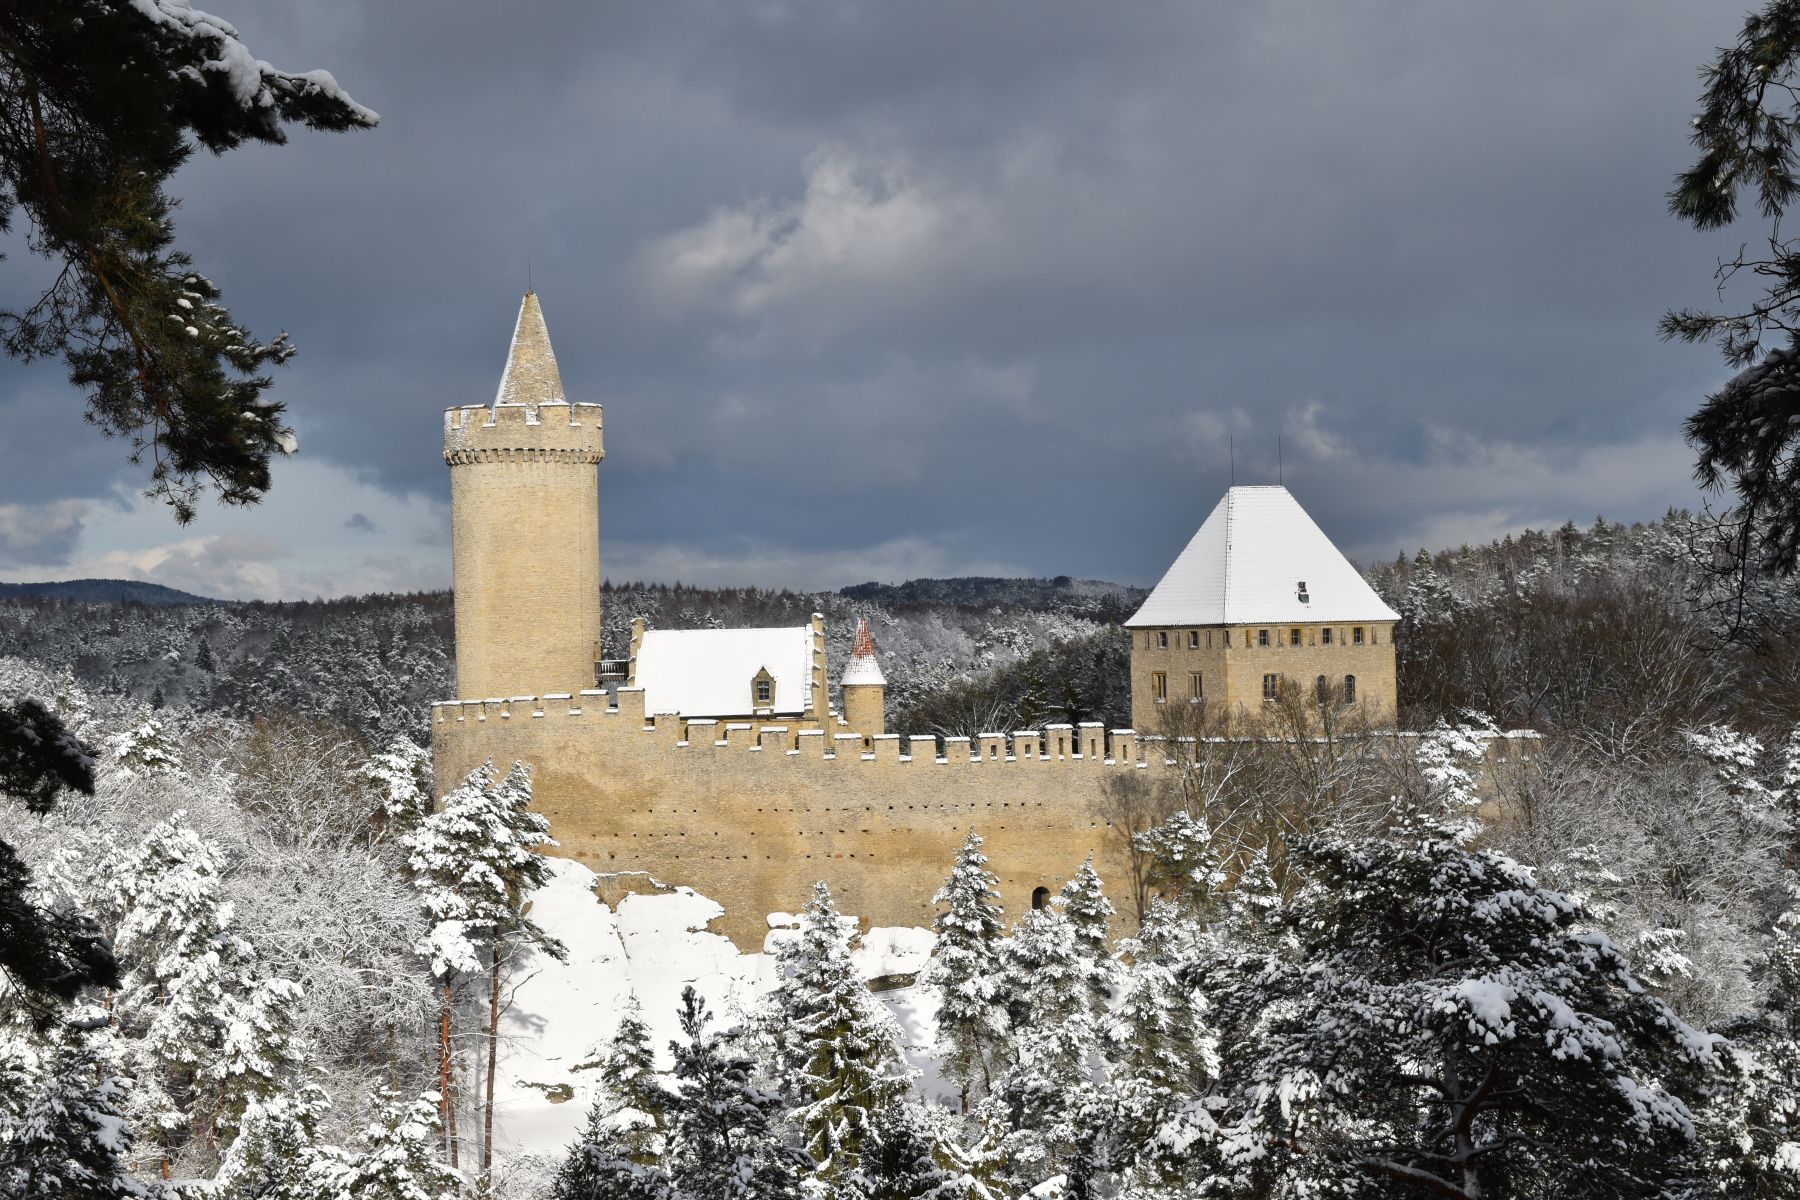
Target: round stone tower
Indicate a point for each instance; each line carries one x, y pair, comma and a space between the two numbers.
865, 687
525, 528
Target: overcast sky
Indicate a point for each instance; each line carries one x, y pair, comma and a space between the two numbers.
881, 290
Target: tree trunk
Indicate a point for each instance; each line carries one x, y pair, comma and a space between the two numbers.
487, 1128
446, 1110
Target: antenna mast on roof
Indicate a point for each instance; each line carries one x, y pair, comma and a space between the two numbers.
1231, 445
1280, 471
528, 286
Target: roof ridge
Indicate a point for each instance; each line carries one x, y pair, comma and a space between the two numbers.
1225, 566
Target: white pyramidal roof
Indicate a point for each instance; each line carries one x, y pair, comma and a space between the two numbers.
1247, 563
708, 672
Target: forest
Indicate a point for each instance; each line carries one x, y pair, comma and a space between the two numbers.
1460, 964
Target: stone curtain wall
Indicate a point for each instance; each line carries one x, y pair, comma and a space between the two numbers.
753, 822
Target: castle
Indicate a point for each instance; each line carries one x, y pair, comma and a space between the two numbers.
713, 758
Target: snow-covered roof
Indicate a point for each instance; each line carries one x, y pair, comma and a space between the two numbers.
863, 669
530, 376
708, 672
1247, 563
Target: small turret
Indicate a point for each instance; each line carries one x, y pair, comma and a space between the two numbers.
865, 687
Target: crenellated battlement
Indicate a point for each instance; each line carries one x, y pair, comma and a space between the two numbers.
550, 431
1087, 744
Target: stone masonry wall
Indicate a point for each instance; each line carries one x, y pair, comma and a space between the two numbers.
1233, 677
752, 824
525, 543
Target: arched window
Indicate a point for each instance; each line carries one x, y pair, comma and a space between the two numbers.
1323, 689
1349, 689
1040, 897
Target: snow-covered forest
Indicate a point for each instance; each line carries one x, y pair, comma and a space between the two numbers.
1336, 970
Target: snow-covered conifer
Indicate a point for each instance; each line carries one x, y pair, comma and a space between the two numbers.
1083, 901
724, 1139
397, 1159
1753, 1125
401, 778
475, 859
277, 1153
1184, 865
841, 1049
65, 1137
965, 971
1449, 1026
628, 1072
602, 1164
905, 1158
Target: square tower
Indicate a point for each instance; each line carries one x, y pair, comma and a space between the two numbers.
1258, 604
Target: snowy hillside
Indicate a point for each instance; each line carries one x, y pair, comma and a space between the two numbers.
650, 948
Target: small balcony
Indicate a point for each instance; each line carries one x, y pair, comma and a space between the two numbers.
611, 670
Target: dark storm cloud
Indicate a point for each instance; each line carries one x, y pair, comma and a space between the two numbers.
954, 287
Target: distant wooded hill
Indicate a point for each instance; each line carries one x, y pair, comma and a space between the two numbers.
104, 591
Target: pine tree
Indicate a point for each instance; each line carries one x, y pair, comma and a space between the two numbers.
68, 1139
904, 1159
1184, 863
397, 1160
179, 956
839, 1046
103, 103
1448, 1026
400, 776
723, 1140
277, 1154
965, 972
49, 953
1753, 1125
1040, 1098
602, 1165
203, 657
1162, 1050
628, 1072
475, 860
1083, 901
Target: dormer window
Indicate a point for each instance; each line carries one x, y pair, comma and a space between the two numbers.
762, 689
1300, 591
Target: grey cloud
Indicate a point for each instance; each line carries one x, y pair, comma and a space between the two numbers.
361, 523
964, 278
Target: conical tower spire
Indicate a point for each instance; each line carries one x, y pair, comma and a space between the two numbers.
531, 376
863, 668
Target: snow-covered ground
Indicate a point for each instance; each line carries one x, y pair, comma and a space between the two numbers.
651, 946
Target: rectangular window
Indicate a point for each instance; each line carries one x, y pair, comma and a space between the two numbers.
1262, 637
1162, 639
1195, 686
765, 691
1159, 686
1349, 689
1356, 636
1325, 637
1193, 639
1293, 637
1271, 688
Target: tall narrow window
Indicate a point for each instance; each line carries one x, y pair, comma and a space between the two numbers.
1356, 636
1159, 686
1262, 637
1193, 639
1271, 688
1162, 639
1349, 689
1194, 686
1294, 637
1323, 688
1325, 636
